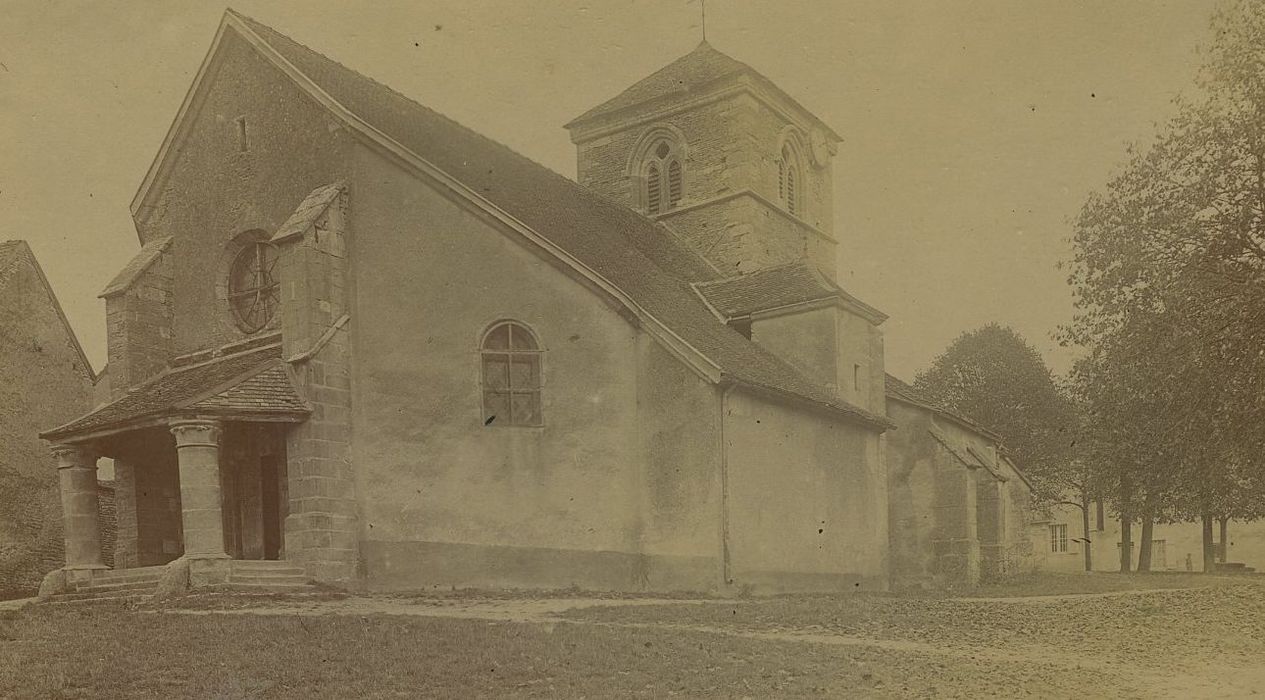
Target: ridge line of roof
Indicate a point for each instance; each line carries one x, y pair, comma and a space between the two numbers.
252, 21
601, 111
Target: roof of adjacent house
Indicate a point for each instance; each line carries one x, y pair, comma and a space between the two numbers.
254, 382
9, 251
695, 72
16, 251
642, 259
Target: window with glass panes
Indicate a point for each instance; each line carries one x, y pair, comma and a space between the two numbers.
1058, 538
511, 376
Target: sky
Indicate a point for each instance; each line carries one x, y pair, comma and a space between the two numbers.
972, 130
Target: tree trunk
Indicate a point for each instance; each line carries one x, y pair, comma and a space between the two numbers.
1225, 544
1148, 531
1209, 550
1126, 528
1144, 547
1126, 544
1087, 544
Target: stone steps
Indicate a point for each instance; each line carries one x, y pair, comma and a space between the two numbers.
246, 576
268, 577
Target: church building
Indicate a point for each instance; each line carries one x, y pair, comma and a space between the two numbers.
364, 345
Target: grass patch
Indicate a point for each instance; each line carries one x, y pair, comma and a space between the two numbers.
1207, 623
103, 651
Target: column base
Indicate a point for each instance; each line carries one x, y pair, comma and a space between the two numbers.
54, 583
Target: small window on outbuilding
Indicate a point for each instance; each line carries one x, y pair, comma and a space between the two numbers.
1058, 537
511, 376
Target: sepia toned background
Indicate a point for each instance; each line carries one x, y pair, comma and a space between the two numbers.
972, 130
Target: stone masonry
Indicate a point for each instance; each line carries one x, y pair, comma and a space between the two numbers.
321, 529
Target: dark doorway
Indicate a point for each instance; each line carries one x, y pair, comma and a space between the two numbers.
270, 492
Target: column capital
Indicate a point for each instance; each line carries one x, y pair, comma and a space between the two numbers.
191, 432
74, 456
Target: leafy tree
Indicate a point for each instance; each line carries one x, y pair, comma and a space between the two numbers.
1169, 273
994, 377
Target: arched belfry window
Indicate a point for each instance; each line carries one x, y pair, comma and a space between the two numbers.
788, 181
510, 358
663, 176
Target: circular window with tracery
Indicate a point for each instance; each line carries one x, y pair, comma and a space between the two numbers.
253, 286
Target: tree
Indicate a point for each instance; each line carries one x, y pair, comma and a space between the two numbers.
1169, 275
994, 377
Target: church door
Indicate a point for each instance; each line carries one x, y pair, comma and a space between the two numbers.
270, 490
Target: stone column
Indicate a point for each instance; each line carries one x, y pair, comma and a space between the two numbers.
77, 473
198, 455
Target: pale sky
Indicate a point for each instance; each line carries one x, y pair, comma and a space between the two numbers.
973, 130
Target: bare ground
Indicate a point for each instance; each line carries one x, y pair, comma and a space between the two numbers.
1189, 643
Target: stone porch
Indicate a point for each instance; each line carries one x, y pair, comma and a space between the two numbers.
203, 488
201, 504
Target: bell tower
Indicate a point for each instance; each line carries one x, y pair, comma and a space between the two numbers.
724, 157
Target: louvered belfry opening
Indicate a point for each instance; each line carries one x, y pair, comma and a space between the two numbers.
664, 178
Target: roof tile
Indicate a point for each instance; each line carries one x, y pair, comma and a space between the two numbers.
253, 382
765, 289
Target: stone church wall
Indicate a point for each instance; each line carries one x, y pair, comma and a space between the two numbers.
807, 500
218, 187
951, 525
731, 145
449, 501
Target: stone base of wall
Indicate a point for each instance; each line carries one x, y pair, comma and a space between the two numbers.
957, 560
778, 582
398, 566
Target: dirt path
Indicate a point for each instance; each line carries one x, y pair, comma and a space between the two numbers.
1066, 596
1174, 681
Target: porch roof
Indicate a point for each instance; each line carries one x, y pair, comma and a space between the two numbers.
251, 384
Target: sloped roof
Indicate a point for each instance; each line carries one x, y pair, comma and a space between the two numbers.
9, 251
254, 382
771, 288
138, 264
637, 256
695, 72
696, 69
901, 391
308, 211
16, 251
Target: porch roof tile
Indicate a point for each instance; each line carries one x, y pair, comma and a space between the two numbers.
253, 382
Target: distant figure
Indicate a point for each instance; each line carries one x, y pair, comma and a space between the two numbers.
1190, 566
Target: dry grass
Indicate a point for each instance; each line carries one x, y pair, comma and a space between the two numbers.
101, 651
